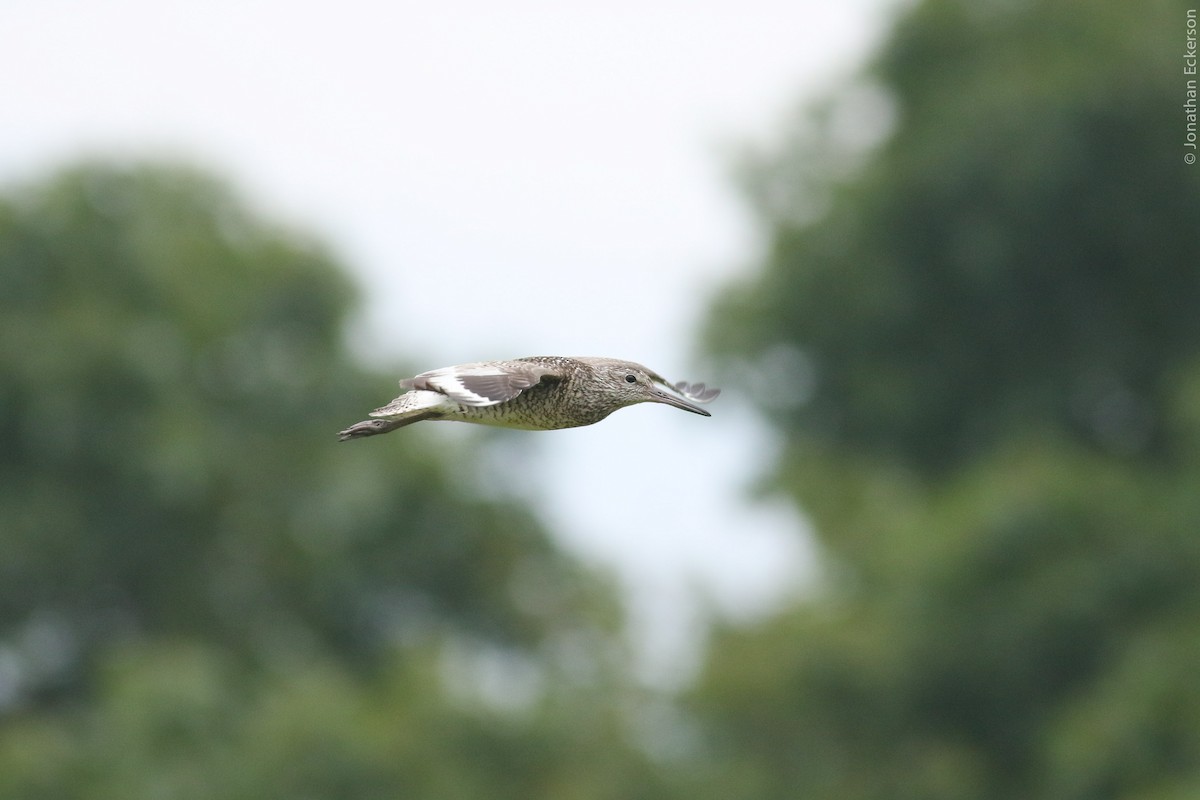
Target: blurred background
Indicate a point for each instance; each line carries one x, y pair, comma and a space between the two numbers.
941, 538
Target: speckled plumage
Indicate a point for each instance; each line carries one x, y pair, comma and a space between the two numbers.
533, 393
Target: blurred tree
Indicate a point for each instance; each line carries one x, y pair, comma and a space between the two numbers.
201, 593
182, 720
978, 337
1015, 253
170, 370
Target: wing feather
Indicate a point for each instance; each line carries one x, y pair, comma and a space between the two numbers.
697, 392
482, 384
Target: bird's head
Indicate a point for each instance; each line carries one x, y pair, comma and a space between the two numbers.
632, 383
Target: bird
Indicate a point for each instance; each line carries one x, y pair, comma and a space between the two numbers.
533, 393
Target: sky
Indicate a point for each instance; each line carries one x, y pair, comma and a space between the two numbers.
525, 178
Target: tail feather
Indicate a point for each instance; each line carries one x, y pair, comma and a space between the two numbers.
374, 427
412, 402
406, 409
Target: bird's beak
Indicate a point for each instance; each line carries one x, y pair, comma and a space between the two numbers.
660, 396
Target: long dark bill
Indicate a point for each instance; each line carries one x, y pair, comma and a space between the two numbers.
661, 396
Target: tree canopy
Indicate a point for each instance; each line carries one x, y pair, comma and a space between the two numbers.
202, 594
1014, 253
979, 343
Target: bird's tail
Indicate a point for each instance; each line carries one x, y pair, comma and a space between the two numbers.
374, 427
406, 409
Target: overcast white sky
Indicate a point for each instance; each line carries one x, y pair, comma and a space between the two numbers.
506, 179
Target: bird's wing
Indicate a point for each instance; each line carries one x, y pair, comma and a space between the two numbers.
482, 384
697, 391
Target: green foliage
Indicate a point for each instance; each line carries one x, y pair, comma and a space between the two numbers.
980, 345
1015, 253
1028, 634
203, 594
181, 720
171, 371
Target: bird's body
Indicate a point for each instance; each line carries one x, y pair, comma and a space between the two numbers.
534, 393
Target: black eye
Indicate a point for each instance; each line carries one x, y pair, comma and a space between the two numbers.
631, 378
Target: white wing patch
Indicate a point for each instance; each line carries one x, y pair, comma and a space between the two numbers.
458, 387
478, 385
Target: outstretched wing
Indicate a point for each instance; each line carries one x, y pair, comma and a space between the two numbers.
696, 391
484, 383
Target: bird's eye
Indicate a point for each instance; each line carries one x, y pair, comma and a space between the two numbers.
631, 378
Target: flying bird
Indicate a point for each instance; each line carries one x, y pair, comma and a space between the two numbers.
537, 393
